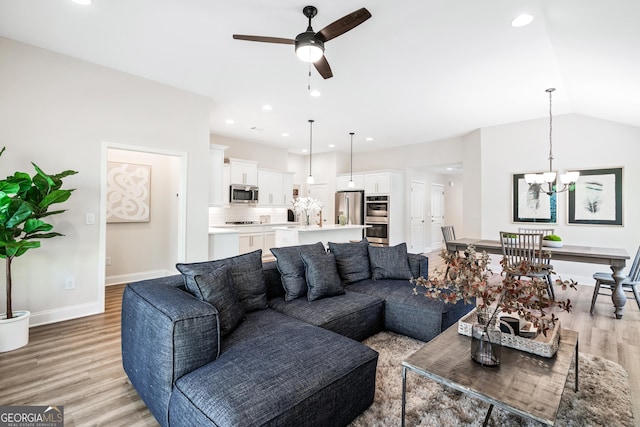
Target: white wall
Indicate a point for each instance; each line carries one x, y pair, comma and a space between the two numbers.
58, 111
579, 142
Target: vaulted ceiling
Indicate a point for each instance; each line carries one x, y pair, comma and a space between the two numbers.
418, 70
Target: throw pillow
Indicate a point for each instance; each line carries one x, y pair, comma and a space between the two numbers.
322, 276
389, 262
246, 273
291, 267
352, 260
218, 290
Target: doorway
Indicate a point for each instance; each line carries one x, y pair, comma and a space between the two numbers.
437, 215
145, 249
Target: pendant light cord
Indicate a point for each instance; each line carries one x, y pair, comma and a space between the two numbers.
310, 144
351, 167
550, 90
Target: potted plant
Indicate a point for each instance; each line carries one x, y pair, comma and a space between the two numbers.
552, 241
467, 279
24, 201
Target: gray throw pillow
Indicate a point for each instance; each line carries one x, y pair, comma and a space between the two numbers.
352, 260
291, 267
246, 273
218, 290
322, 276
389, 262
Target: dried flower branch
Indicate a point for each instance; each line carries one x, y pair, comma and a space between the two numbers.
467, 279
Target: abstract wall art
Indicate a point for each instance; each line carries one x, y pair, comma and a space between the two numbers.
597, 198
531, 203
128, 192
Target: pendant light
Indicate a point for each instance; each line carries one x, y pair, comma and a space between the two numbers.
310, 179
567, 179
351, 184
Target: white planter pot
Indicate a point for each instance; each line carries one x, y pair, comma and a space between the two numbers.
14, 332
551, 243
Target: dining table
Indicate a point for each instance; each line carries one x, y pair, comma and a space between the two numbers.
615, 258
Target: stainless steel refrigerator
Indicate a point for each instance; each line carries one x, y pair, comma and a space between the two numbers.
351, 205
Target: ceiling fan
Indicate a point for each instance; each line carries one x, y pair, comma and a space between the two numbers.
310, 45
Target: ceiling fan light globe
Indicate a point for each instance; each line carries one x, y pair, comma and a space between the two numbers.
308, 48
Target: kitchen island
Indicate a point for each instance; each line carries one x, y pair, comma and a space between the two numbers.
303, 235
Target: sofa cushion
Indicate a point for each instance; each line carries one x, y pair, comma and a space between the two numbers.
278, 371
322, 276
217, 289
389, 262
352, 260
291, 267
246, 273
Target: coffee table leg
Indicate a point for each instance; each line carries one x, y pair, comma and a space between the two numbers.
575, 387
404, 391
488, 416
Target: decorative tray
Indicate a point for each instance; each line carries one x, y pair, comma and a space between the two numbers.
540, 345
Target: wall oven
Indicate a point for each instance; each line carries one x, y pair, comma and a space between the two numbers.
243, 194
377, 219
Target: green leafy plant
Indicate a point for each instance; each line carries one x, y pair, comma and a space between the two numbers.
510, 236
467, 279
552, 237
24, 201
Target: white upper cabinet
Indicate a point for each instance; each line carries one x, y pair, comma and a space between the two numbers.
377, 183
275, 188
243, 172
342, 182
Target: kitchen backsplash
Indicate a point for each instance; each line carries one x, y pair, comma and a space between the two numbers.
219, 216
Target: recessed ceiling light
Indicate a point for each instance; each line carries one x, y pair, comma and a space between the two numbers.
332, 145
315, 93
82, 2
229, 121
267, 107
369, 139
522, 20
285, 134
304, 150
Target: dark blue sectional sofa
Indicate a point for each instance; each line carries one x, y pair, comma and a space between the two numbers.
238, 342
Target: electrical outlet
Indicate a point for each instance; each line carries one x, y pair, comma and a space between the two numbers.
107, 261
90, 219
70, 283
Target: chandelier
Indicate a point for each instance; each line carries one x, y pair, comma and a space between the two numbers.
548, 179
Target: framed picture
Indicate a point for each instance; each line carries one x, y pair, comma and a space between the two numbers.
531, 203
128, 191
597, 198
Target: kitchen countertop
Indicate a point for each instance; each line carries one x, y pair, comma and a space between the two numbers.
326, 227
220, 230
257, 224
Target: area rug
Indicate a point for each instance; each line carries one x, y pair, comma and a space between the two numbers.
603, 398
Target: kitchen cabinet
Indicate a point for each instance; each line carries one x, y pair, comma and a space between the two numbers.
342, 182
276, 188
217, 188
223, 243
243, 172
250, 241
377, 183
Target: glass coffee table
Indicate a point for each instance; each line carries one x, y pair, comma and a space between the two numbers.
525, 384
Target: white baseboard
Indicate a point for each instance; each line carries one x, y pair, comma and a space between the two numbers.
66, 313
134, 277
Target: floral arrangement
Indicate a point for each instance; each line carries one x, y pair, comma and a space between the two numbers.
467, 279
307, 206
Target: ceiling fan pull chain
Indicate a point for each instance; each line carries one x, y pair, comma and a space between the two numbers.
309, 80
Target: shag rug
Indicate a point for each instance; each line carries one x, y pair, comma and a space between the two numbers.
603, 397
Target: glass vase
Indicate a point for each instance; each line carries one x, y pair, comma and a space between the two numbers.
486, 340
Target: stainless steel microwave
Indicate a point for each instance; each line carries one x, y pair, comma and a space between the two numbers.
243, 193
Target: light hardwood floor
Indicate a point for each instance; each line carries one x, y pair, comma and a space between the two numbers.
77, 363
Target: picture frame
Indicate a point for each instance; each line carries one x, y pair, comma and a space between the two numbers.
128, 192
531, 204
597, 198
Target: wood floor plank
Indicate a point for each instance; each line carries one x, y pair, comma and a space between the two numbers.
77, 363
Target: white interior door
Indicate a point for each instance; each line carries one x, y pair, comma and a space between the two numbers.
417, 217
437, 215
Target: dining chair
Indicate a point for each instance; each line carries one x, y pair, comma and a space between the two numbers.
527, 247
448, 233
629, 284
548, 265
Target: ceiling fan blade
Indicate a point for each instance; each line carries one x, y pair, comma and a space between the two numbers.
264, 39
322, 65
343, 24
